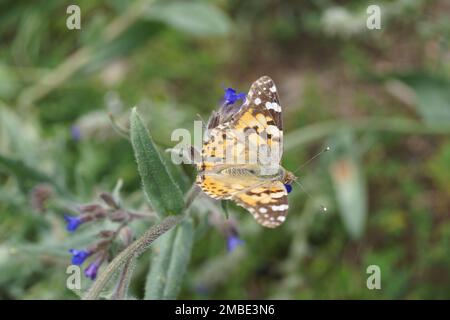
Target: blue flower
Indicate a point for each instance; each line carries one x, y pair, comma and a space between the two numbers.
288, 188
72, 222
230, 96
78, 256
75, 132
233, 242
91, 270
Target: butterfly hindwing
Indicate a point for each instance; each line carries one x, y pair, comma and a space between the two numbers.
267, 203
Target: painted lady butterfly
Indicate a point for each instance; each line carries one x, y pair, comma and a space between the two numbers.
241, 155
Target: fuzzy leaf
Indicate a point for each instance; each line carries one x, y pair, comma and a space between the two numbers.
159, 186
170, 258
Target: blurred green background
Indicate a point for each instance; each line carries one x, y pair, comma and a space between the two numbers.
379, 98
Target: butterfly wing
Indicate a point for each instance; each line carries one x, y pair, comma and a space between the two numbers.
267, 203
253, 132
223, 187
263, 97
260, 118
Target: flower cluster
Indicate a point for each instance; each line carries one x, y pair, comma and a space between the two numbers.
100, 250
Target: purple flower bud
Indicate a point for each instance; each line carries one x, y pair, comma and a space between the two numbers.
91, 270
233, 242
230, 96
72, 222
75, 132
78, 256
288, 188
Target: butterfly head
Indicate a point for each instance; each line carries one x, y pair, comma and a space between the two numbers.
288, 177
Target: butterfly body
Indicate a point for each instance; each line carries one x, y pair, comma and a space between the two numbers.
257, 173
241, 155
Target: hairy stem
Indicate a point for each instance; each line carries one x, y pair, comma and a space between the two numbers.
131, 252
124, 280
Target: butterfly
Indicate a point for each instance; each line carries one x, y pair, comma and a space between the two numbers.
241, 155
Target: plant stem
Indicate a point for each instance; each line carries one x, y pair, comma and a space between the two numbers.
131, 252
134, 250
124, 280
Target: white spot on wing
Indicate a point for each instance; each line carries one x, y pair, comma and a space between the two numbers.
281, 207
277, 194
273, 106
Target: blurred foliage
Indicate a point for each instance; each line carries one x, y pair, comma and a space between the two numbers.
387, 187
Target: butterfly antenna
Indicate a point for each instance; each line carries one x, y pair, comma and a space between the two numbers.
314, 157
322, 207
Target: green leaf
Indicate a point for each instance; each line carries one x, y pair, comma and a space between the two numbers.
159, 186
170, 258
176, 171
349, 184
27, 177
197, 18
432, 100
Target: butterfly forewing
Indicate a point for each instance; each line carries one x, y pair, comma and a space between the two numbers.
260, 118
